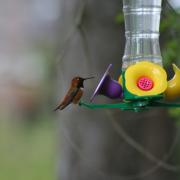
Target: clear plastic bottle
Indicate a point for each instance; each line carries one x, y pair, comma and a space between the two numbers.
142, 19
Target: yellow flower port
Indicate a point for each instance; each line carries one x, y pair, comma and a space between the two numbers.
173, 90
146, 70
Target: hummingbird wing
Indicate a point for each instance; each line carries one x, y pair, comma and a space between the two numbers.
68, 98
78, 96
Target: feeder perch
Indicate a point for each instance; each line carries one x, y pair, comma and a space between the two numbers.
143, 82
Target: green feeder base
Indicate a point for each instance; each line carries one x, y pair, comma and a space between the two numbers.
136, 106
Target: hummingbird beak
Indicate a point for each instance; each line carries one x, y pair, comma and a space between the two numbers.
88, 78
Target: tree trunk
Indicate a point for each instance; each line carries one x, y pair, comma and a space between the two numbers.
104, 144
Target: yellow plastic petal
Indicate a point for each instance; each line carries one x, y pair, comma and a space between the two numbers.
173, 89
146, 69
120, 80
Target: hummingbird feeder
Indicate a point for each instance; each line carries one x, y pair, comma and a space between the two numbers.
143, 81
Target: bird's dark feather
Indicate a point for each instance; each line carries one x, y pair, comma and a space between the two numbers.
68, 98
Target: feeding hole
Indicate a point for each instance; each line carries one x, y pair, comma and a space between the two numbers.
145, 83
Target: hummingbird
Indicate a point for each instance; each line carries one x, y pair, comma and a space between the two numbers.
74, 93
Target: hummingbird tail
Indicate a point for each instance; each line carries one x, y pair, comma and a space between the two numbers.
60, 107
57, 108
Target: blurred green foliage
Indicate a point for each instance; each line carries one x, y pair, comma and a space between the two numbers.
119, 18
175, 113
170, 33
26, 151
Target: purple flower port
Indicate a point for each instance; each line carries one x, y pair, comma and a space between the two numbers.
108, 87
